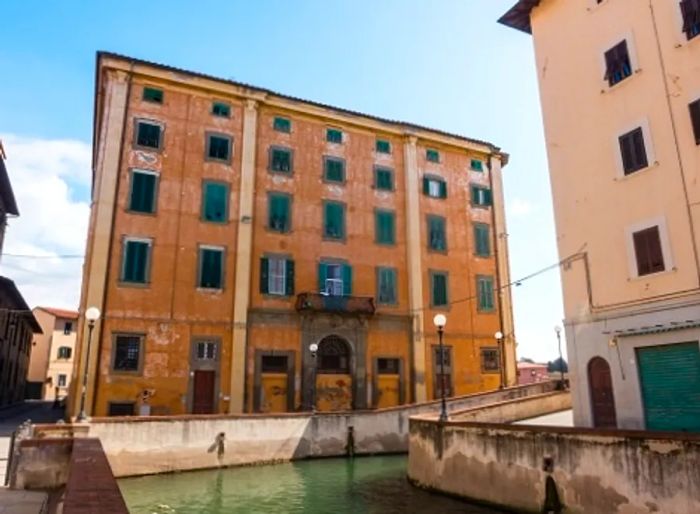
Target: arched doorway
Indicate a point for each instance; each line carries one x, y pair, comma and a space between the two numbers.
601, 390
334, 375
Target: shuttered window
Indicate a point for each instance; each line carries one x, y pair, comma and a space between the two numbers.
383, 179
438, 288
477, 165
482, 240
442, 381
280, 159
335, 279
691, 18
481, 196
279, 217
64, 352
334, 169
382, 146
221, 109
127, 353
148, 134
385, 227
695, 119
136, 261
215, 202
142, 197
277, 276
333, 220
334, 135
282, 124
434, 187
633, 151
437, 236
484, 292
152, 94
211, 268
617, 64
218, 147
648, 252
432, 155
490, 360
386, 285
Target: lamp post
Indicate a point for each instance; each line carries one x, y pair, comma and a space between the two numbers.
557, 329
440, 320
91, 315
501, 372
313, 348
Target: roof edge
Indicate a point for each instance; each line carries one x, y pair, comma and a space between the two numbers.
518, 16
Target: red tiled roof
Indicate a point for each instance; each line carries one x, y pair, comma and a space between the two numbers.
60, 313
526, 365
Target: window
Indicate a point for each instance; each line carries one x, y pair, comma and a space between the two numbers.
434, 187
67, 328
273, 364
61, 380
221, 109
333, 220
432, 155
64, 352
484, 292
384, 179
438, 288
280, 159
634, 155
477, 165
691, 17
218, 147
482, 240
648, 252
215, 202
334, 169
695, 119
278, 213
437, 236
388, 366
385, 227
617, 64
121, 408
142, 197
282, 124
386, 286
136, 261
490, 360
152, 94
481, 196
277, 276
335, 279
211, 267
127, 353
205, 350
334, 136
333, 356
442, 371
382, 146
148, 134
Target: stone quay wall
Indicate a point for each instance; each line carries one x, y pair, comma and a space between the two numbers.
556, 469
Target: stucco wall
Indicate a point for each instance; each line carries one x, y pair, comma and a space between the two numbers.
595, 472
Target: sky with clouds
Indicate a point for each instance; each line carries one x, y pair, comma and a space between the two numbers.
443, 63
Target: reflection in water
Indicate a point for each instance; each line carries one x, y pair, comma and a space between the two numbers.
338, 486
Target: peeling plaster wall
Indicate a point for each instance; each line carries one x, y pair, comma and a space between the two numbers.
595, 472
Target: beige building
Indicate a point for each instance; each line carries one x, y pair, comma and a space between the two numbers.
51, 360
620, 90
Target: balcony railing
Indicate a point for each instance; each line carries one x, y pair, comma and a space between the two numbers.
316, 302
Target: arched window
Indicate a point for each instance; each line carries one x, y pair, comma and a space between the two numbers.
333, 356
64, 352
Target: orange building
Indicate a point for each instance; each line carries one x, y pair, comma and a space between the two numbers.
234, 228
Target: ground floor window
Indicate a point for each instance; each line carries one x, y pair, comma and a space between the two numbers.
121, 408
333, 356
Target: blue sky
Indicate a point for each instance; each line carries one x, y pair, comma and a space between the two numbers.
446, 64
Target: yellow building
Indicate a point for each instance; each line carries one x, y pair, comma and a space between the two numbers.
620, 88
233, 228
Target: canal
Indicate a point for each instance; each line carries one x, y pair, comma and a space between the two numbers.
337, 486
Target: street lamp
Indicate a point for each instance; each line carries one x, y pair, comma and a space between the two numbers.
440, 320
499, 341
313, 348
91, 315
557, 329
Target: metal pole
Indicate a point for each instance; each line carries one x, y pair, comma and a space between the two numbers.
313, 385
501, 364
443, 403
561, 360
82, 416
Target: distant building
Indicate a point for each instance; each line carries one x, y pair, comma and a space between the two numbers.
620, 90
532, 372
53, 352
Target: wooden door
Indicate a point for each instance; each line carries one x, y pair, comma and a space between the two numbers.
274, 392
203, 396
602, 397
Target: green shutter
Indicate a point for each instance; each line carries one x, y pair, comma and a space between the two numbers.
281, 160
488, 197
477, 165
437, 239
322, 274
387, 286
335, 170
142, 192
347, 280
264, 275
278, 213
282, 125
426, 185
439, 289
432, 155
221, 109
485, 293
289, 277
443, 189
334, 226
210, 268
135, 261
482, 240
383, 146
334, 136
152, 94
384, 227
383, 179
215, 202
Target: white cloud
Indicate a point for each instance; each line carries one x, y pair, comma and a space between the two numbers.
519, 207
46, 176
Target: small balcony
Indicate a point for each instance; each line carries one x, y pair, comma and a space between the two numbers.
317, 302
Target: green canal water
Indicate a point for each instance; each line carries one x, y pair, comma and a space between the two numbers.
333, 486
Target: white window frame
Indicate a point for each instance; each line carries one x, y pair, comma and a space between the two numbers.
630, 230
433, 188
207, 344
642, 123
634, 61
276, 279
200, 266
334, 285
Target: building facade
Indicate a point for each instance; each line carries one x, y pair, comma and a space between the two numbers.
532, 373
620, 91
52, 356
233, 228
8, 205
